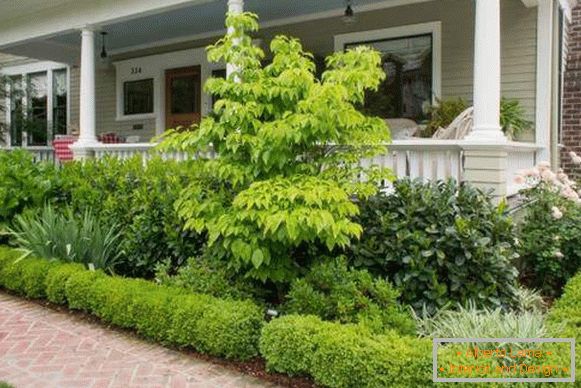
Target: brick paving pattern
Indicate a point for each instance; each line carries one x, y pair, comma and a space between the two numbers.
40, 347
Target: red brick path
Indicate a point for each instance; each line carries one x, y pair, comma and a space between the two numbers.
40, 347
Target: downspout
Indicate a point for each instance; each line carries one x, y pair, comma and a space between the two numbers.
556, 94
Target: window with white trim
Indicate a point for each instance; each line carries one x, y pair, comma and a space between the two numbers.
410, 58
37, 106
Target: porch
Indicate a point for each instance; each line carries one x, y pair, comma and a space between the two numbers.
125, 92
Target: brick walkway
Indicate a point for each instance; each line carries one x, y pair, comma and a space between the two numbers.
40, 347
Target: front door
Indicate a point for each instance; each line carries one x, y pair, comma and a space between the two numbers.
182, 97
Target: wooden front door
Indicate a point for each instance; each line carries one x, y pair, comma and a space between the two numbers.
182, 97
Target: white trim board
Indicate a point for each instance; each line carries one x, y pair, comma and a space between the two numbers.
434, 28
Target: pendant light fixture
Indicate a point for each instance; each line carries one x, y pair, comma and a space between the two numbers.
349, 15
103, 49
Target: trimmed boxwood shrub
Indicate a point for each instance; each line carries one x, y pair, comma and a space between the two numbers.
338, 355
439, 242
335, 292
56, 280
210, 325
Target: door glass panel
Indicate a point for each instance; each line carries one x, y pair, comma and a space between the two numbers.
59, 102
36, 121
16, 111
407, 89
183, 94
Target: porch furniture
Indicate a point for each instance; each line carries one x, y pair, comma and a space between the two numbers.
401, 128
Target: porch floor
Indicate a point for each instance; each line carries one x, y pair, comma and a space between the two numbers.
40, 347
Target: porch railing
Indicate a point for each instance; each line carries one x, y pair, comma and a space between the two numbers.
425, 159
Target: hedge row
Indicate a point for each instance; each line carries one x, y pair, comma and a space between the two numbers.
210, 325
338, 355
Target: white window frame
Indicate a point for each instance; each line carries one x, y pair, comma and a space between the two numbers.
433, 28
24, 71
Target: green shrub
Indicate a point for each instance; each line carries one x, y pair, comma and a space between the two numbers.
139, 200
550, 247
79, 290
56, 280
289, 343
335, 292
24, 183
25, 276
210, 277
68, 237
338, 355
438, 243
275, 185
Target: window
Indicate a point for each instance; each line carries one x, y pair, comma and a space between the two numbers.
138, 97
16, 111
37, 104
410, 58
37, 116
59, 102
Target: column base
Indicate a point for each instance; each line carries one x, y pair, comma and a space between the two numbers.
485, 167
83, 150
486, 134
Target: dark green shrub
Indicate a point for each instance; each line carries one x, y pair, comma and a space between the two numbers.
335, 292
24, 183
338, 355
439, 242
550, 247
56, 280
210, 277
139, 200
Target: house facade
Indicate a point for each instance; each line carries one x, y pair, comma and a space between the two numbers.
127, 70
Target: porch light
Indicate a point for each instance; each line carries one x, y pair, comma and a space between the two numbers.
103, 50
349, 15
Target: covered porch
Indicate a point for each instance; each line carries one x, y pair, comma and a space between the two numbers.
146, 73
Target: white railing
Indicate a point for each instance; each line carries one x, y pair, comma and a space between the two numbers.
39, 153
425, 159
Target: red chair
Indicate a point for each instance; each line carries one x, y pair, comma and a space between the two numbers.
62, 150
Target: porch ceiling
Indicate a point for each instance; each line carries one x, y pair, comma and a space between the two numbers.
196, 21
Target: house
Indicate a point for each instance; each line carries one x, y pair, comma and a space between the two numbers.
132, 68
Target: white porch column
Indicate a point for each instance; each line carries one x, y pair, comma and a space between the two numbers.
487, 72
234, 7
485, 153
87, 136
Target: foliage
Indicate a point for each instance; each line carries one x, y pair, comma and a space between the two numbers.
289, 145
23, 183
338, 355
512, 116
335, 292
139, 199
443, 113
67, 237
209, 277
529, 300
439, 242
550, 232
564, 318
56, 279
472, 322
170, 315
